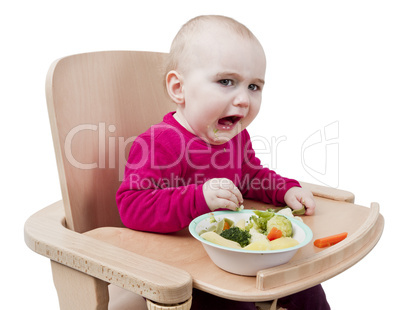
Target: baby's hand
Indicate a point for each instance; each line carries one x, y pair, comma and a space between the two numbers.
296, 197
222, 193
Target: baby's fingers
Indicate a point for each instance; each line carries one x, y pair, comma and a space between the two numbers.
222, 193
309, 204
227, 204
294, 203
228, 199
239, 197
226, 184
297, 197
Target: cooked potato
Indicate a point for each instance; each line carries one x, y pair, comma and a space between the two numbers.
259, 245
283, 243
241, 224
213, 237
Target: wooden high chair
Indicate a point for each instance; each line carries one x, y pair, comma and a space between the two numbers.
98, 103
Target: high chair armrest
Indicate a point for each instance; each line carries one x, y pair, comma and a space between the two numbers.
45, 233
329, 192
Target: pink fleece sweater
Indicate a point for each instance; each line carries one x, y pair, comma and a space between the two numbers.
167, 166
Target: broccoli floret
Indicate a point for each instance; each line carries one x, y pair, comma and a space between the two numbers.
259, 221
238, 235
282, 223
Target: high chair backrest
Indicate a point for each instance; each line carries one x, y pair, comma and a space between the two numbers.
98, 103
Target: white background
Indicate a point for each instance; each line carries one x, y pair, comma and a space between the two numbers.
329, 62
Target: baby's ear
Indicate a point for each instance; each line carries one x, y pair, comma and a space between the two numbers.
174, 86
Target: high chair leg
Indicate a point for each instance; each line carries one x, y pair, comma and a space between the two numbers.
77, 290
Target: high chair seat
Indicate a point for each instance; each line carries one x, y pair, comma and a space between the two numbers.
98, 103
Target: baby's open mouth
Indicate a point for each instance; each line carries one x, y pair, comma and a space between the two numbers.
229, 120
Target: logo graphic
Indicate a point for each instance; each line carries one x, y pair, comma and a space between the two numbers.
320, 155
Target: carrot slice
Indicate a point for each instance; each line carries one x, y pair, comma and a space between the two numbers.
226, 225
330, 240
275, 233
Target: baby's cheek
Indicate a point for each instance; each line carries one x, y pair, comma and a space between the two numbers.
246, 121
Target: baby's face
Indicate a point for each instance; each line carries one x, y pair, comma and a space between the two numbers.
222, 84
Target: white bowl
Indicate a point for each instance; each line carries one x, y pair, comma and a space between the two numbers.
246, 262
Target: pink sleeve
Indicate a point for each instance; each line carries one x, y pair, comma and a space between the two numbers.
260, 183
157, 200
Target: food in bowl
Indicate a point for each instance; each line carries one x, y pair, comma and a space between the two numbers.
255, 256
263, 231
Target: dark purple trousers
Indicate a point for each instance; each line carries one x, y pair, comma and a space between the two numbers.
310, 299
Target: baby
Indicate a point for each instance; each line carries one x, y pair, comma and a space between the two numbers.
200, 158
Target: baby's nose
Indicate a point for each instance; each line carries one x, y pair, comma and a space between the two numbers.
242, 99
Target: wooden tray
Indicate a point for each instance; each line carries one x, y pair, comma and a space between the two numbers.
307, 268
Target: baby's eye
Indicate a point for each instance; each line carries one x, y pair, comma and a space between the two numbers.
253, 87
226, 82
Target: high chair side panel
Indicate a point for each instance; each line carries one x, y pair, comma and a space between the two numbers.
98, 104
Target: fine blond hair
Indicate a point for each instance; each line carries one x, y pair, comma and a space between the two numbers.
190, 29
